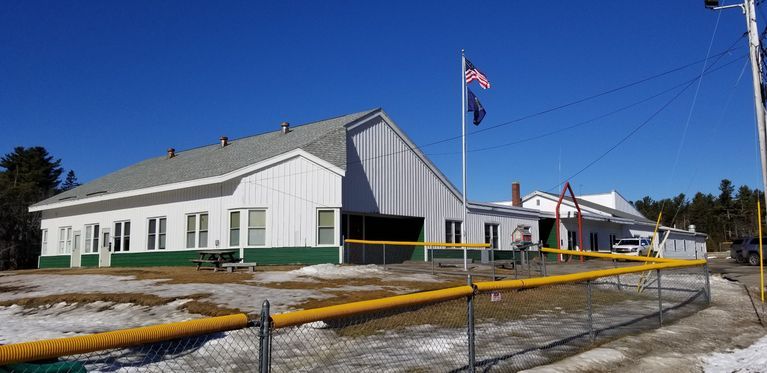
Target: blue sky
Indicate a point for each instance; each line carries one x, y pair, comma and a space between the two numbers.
103, 85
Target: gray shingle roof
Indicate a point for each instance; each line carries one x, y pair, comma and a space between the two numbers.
325, 139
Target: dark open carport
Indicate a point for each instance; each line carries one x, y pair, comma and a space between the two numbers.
381, 228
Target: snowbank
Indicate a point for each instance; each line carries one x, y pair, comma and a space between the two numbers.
749, 359
337, 272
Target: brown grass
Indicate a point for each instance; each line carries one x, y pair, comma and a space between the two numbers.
169, 275
514, 305
194, 306
15, 288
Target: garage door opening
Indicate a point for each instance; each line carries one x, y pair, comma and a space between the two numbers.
381, 228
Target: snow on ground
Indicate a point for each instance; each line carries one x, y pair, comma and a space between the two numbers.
247, 298
683, 346
59, 320
336, 272
63, 320
746, 360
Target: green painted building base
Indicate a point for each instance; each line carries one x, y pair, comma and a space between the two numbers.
292, 255
271, 255
157, 258
89, 260
55, 261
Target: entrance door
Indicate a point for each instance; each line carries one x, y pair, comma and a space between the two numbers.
105, 251
75, 257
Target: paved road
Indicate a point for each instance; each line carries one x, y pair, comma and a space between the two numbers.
729, 269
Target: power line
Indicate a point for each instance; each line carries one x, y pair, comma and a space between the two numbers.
640, 126
594, 119
588, 98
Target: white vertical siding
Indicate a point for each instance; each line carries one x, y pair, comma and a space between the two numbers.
385, 176
291, 191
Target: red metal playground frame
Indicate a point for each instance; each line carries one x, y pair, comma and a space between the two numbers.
565, 188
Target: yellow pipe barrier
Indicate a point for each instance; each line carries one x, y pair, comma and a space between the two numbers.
415, 243
282, 320
614, 256
53, 348
582, 276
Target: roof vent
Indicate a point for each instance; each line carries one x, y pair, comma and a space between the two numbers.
171, 153
285, 127
224, 141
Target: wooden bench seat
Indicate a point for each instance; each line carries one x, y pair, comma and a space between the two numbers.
231, 267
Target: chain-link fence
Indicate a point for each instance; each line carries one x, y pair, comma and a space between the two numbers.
488, 326
231, 351
446, 258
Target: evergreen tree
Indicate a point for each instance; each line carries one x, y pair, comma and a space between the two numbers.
27, 175
70, 181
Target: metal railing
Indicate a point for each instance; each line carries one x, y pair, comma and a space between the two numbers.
504, 325
439, 257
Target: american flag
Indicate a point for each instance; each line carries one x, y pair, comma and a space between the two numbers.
472, 73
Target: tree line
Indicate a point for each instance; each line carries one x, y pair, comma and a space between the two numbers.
729, 215
27, 175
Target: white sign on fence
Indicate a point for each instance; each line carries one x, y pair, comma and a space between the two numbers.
495, 296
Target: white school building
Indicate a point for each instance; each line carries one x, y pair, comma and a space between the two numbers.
286, 196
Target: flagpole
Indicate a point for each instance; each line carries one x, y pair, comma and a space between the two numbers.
464, 223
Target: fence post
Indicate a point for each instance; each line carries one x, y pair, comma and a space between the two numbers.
592, 335
384, 256
660, 301
543, 262
492, 261
432, 260
265, 340
470, 330
708, 284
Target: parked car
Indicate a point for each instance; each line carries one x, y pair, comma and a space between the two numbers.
746, 250
631, 246
736, 249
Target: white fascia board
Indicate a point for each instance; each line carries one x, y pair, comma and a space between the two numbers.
198, 182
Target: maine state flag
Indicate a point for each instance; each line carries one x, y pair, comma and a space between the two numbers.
476, 107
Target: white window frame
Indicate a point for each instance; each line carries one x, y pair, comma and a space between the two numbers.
244, 227
65, 240
154, 237
197, 230
318, 228
254, 227
92, 239
122, 237
450, 235
230, 228
44, 242
496, 236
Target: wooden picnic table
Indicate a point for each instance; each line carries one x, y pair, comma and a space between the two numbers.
215, 258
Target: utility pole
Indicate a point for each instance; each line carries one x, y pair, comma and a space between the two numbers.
749, 10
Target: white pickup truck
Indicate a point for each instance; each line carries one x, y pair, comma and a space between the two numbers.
631, 246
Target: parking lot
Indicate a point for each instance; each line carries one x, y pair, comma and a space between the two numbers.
731, 270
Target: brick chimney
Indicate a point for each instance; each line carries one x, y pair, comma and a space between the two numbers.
171, 153
224, 141
285, 127
516, 199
